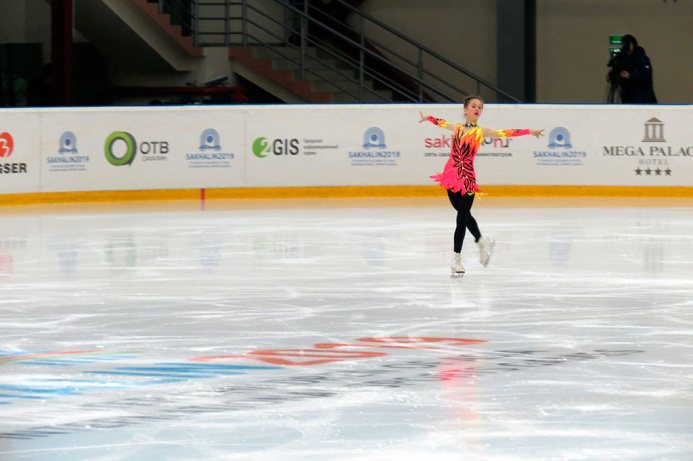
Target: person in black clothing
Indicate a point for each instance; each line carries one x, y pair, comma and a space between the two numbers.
631, 72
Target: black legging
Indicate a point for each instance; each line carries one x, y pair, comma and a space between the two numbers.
463, 204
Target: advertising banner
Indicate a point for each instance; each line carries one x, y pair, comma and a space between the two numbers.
583, 145
646, 146
152, 148
294, 147
131, 148
327, 146
20, 154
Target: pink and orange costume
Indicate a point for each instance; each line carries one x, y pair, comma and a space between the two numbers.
458, 174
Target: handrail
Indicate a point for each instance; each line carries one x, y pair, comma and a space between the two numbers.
303, 55
345, 58
412, 81
426, 49
304, 69
417, 79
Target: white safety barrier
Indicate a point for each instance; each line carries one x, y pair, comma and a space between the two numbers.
135, 148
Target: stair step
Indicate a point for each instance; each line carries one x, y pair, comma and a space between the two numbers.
325, 74
337, 75
294, 53
283, 52
332, 86
380, 96
313, 64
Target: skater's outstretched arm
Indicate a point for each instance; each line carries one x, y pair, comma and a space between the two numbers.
438, 121
491, 133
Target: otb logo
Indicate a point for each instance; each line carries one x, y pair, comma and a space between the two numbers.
120, 148
6, 145
374, 137
262, 147
559, 138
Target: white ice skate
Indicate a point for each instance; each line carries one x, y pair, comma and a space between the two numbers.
456, 268
485, 249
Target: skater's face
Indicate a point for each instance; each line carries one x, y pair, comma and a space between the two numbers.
472, 111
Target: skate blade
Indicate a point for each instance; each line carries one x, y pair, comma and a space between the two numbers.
457, 274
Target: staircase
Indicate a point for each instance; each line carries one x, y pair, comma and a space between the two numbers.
312, 39
297, 50
132, 34
319, 79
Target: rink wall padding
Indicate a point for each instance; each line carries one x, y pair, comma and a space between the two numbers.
338, 192
294, 151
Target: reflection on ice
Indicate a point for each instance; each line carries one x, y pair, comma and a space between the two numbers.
337, 332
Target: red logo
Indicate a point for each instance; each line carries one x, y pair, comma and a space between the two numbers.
6, 145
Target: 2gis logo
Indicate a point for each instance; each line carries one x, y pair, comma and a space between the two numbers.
262, 147
121, 147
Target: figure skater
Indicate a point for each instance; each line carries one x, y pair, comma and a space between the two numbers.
459, 179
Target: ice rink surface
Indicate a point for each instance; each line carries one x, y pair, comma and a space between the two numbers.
332, 330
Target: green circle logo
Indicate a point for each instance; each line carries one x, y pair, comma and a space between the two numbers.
130, 145
261, 147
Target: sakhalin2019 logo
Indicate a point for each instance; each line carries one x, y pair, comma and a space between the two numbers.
68, 143
561, 152
375, 153
209, 140
209, 154
374, 138
120, 148
68, 158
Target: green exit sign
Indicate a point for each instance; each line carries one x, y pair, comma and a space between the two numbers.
615, 39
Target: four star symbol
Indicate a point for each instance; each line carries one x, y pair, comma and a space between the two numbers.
651, 172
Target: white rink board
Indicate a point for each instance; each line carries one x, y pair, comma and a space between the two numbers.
327, 146
169, 150
608, 145
336, 145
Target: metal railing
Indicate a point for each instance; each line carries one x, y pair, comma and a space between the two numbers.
344, 57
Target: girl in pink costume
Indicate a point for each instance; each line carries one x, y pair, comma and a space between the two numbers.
458, 176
